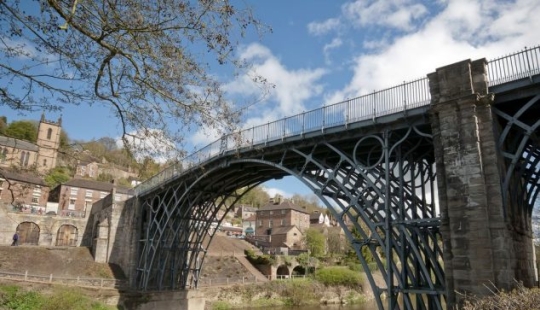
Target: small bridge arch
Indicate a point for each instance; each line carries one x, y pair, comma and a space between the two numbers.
28, 233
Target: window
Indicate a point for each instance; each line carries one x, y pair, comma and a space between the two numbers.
49, 134
282, 222
282, 211
260, 223
71, 205
74, 191
271, 212
91, 171
89, 193
35, 200
103, 194
270, 224
44, 162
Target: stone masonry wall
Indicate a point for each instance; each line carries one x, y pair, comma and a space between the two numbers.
480, 245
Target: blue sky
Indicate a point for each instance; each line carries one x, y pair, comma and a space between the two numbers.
321, 52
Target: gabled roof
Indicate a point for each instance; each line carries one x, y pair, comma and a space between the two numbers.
19, 144
22, 177
286, 205
95, 185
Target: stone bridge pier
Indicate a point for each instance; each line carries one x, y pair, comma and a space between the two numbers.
486, 226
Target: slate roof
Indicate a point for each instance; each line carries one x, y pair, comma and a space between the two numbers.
281, 230
286, 205
22, 177
315, 215
96, 185
19, 144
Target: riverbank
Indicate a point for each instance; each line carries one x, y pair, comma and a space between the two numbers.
299, 292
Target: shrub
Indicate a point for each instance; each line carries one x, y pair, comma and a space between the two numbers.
520, 298
330, 276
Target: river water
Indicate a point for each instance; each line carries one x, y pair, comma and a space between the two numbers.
371, 305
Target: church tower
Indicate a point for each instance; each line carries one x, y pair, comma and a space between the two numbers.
48, 141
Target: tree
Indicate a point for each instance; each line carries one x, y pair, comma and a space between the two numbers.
315, 242
256, 197
3, 125
150, 61
56, 176
23, 130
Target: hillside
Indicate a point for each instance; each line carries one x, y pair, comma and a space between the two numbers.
78, 262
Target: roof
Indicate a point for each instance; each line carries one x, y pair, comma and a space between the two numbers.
96, 185
315, 215
251, 218
22, 177
281, 230
19, 144
286, 205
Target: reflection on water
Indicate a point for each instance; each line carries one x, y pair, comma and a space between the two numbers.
371, 305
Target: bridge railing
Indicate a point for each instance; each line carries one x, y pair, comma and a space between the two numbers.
523, 64
395, 99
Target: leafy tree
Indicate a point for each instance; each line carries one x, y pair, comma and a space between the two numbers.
23, 130
3, 125
148, 60
148, 168
56, 176
315, 242
256, 197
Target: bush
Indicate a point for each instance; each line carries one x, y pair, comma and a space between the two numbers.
331, 276
520, 298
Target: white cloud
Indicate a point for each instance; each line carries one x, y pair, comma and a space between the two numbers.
272, 192
336, 42
464, 29
398, 14
324, 27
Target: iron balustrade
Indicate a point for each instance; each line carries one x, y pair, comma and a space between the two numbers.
408, 95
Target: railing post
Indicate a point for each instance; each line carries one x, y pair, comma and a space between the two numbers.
404, 96
101, 283
26, 275
267, 131
303, 122
78, 278
50, 278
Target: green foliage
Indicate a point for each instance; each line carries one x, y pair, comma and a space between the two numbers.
303, 259
56, 176
23, 130
256, 197
331, 276
3, 125
316, 242
259, 259
221, 305
13, 297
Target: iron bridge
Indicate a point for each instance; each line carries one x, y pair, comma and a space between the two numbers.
371, 162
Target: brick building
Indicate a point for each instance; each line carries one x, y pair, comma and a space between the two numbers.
278, 214
23, 190
76, 196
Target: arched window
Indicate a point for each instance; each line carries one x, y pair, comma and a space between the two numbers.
49, 134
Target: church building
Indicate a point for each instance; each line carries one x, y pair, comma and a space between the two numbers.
27, 155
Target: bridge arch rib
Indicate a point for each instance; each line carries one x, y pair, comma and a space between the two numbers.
380, 189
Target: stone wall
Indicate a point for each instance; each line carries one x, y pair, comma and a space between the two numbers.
481, 246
